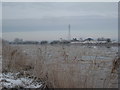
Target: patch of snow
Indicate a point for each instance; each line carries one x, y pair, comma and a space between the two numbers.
95, 58
10, 80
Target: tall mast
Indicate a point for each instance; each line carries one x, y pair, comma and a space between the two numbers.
69, 33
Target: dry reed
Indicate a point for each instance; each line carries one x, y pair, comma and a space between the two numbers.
63, 66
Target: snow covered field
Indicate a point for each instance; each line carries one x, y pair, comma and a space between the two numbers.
11, 80
75, 66
17, 80
63, 66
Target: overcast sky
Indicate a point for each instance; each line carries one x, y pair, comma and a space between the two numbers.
49, 21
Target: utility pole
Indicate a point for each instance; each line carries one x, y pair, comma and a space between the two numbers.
69, 33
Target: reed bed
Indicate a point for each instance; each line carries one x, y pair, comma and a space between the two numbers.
63, 66
13, 59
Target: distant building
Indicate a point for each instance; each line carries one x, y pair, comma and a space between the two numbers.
89, 39
104, 40
74, 40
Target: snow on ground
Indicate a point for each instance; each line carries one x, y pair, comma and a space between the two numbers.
10, 80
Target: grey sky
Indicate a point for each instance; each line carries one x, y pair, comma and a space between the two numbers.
50, 20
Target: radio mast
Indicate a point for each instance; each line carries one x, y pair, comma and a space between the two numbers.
69, 33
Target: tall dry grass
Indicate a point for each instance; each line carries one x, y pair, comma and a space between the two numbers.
13, 59
116, 64
62, 66
67, 69
0, 55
